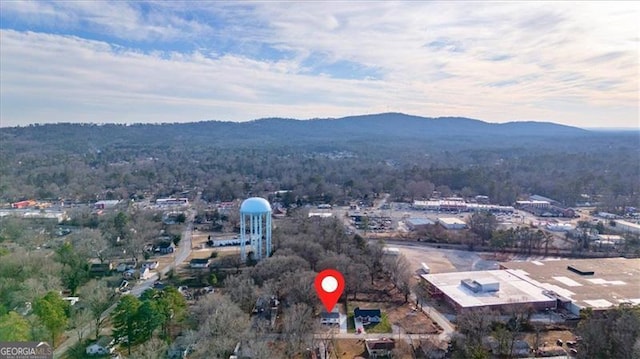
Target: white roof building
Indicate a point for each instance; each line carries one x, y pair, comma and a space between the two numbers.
584, 283
560, 227
496, 289
626, 226
452, 223
321, 214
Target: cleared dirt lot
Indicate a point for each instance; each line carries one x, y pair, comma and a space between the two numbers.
350, 348
443, 260
391, 302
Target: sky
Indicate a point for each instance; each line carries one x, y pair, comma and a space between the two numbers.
574, 63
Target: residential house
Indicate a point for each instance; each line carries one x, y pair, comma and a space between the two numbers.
103, 346
24, 309
177, 352
72, 300
367, 316
379, 348
129, 274
521, 348
332, 317
105, 204
142, 273
123, 266
266, 308
179, 349
279, 212
199, 263
96, 267
152, 265
165, 248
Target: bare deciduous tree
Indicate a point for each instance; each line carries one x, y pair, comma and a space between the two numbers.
297, 328
97, 297
222, 326
241, 290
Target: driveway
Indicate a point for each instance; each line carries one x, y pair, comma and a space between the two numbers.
343, 323
359, 326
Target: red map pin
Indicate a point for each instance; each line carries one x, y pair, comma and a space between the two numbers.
329, 285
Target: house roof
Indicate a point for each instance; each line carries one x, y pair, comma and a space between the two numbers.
614, 280
329, 315
378, 344
200, 260
104, 341
419, 221
366, 312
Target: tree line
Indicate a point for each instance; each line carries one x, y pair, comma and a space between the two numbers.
35, 165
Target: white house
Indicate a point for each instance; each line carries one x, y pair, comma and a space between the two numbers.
103, 346
150, 264
143, 273
132, 264
199, 263
379, 348
332, 317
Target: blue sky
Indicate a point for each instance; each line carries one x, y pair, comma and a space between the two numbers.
575, 63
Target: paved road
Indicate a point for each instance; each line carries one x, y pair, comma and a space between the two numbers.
382, 201
181, 254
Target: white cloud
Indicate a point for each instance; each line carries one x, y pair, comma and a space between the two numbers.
496, 61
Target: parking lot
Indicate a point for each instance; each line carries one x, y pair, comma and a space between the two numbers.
443, 260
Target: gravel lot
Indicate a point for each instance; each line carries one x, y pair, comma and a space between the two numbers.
443, 260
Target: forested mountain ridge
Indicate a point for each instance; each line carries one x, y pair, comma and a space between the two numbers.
394, 126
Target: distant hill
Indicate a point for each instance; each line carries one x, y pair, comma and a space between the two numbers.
379, 129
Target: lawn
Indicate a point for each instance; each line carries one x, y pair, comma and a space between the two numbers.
383, 327
351, 326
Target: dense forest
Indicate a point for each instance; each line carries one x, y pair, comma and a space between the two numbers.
322, 160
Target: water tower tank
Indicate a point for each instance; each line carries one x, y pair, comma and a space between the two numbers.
255, 205
255, 227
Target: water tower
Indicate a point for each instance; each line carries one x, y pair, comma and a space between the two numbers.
255, 227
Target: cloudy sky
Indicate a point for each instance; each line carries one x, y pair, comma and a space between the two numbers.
89, 61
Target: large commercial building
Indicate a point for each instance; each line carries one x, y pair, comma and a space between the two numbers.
626, 227
172, 202
451, 223
567, 284
584, 283
415, 224
459, 205
494, 289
